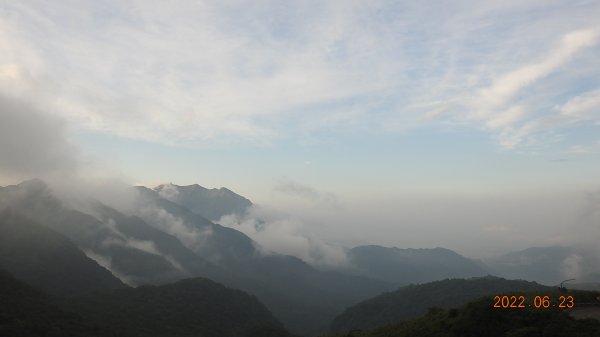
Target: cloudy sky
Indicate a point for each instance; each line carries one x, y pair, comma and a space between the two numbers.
396, 119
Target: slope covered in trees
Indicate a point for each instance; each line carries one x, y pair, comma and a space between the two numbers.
193, 307
479, 318
414, 300
46, 259
28, 312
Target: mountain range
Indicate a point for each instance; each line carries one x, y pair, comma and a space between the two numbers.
404, 266
171, 233
548, 265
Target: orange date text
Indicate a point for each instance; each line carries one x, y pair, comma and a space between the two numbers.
537, 302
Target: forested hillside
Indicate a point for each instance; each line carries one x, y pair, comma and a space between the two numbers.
414, 300
479, 318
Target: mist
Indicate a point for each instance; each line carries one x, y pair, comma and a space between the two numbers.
170, 99
33, 143
478, 226
313, 224
195, 168
281, 233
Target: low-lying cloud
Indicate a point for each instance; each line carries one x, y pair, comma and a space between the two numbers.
284, 234
190, 235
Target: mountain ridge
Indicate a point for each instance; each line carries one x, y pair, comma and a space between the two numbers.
211, 203
412, 265
159, 241
44, 258
548, 264
414, 300
187, 308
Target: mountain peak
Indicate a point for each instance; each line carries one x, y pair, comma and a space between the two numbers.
211, 203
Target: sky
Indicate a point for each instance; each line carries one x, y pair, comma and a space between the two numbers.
392, 122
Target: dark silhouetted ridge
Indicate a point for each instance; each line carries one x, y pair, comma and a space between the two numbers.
46, 259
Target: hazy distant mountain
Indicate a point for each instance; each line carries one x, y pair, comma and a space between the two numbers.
414, 300
48, 260
548, 265
404, 266
210, 203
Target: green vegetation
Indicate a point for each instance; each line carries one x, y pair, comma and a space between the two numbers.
479, 318
194, 307
414, 300
27, 312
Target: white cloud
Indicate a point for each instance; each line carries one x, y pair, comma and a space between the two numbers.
506, 118
571, 266
508, 85
169, 192
193, 237
106, 262
504, 107
286, 235
584, 106
187, 72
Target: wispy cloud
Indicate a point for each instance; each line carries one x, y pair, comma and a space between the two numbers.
584, 106
499, 106
265, 71
306, 192
506, 86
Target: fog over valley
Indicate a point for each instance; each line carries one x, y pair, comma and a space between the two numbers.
298, 168
297, 218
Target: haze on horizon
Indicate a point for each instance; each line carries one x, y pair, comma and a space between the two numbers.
466, 125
